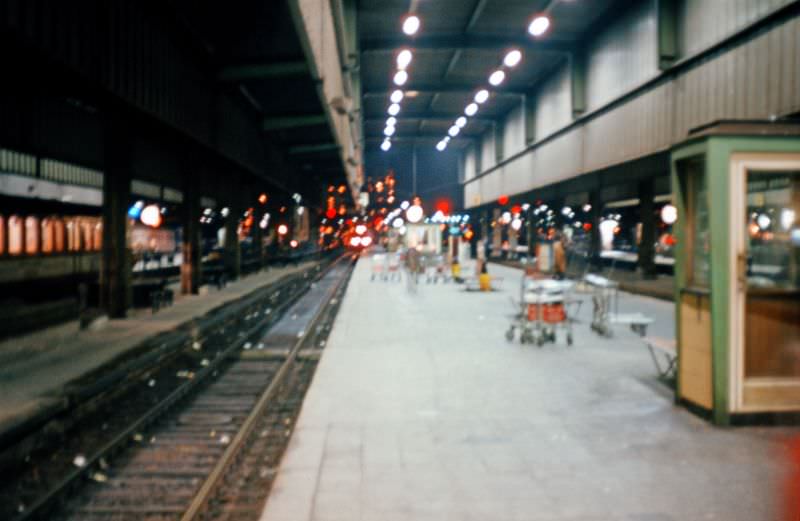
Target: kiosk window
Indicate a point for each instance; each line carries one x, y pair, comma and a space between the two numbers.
698, 232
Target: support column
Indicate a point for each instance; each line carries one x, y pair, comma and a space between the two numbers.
233, 251
577, 62
647, 259
667, 20
191, 269
499, 141
595, 215
115, 275
530, 118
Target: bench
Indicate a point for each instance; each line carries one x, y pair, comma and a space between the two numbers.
664, 354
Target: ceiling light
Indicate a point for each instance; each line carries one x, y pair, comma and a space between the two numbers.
446, 139
471, 109
397, 96
497, 77
539, 25
512, 58
386, 145
461, 122
404, 59
400, 78
482, 96
454, 130
411, 25
394, 109
388, 131
440, 146
391, 121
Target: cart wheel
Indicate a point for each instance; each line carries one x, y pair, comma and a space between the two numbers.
569, 339
510, 334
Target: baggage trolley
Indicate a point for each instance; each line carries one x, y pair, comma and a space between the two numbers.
542, 310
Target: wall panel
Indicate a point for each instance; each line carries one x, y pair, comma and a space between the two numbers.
622, 56
554, 104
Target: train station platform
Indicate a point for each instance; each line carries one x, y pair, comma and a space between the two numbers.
421, 410
35, 367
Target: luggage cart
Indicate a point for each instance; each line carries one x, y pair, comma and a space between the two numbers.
605, 294
393, 267
543, 308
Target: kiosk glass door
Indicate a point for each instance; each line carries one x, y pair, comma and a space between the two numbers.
767, 282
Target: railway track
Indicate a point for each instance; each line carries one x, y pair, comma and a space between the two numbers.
168, 463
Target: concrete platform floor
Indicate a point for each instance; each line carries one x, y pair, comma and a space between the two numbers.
420, 410
34, 367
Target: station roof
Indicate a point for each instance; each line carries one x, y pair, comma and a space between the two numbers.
256, 49
459, 44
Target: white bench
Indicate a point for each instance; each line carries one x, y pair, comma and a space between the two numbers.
664, 353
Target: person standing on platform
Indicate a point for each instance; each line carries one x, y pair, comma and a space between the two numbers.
559, 257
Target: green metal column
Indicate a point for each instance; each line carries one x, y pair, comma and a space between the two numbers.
115, 276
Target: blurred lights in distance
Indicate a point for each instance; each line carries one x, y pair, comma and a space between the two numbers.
441, 145
669, 214
151, 216
386, 145
454, 130
411, 25
513, 58
404, 59
366, 241
394, 109
293, 243
397, 223
397, 96
497, 77
482, 96
414, 214
539, 25
400, 78
361, 229
516, 224
283, 229
136, 210
471, 109
355, 241
461, 122
262, 198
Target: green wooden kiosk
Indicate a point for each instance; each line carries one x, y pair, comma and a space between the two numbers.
736, 185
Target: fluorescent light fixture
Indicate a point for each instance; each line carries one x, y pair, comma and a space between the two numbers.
539, 25
513, 58
386, 145
394, 109
400, 78
404, 58
391, 121
461, 122
397, 96
497, 77
454, 130
388, 131
471, 109
441, 145
411, 25
482, 96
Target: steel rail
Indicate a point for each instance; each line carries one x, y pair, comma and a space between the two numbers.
206, 491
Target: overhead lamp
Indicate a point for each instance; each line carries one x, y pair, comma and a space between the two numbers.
394, 109
539, 25
400, 78
497, 77
461, 122
411, 24
151, 216
446, 139
669, 214
386, 145
471, 109
414, 214
441, 145
397, 96
482, 96
454, 130
404, 58
513, 58
389, 131
391, 121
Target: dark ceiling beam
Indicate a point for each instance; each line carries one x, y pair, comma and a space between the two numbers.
316, 148
434, 88
261, 71
452, 42
293, 122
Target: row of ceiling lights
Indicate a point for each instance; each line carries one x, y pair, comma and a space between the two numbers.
538, 27
411, 25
